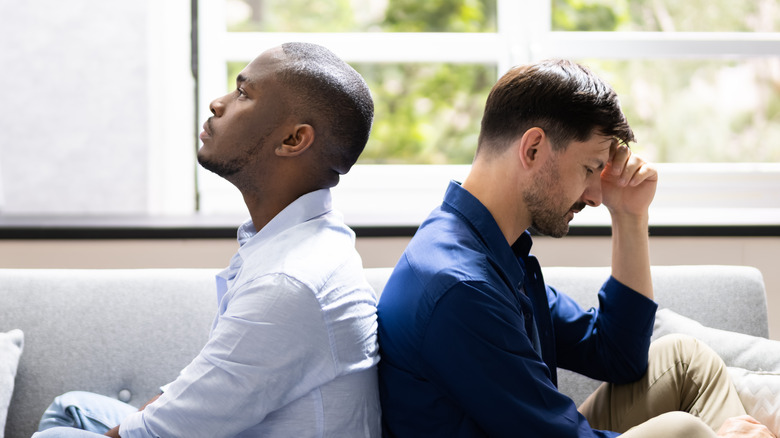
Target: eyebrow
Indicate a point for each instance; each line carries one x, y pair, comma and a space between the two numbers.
598, 164
241, 79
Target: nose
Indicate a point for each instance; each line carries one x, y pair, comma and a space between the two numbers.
217, 107
592, 194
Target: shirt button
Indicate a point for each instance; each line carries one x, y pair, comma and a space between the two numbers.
125, 395
527, 316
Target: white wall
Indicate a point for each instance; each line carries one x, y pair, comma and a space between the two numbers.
74, 113
82, 108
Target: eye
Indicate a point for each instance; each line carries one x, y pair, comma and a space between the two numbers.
588, 171
240, 91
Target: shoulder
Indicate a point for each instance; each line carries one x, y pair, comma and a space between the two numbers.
445, 251
441, 257
318, 255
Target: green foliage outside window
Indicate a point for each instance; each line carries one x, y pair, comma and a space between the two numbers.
363, 15
681, 110
425, 113
690, 110
666, 15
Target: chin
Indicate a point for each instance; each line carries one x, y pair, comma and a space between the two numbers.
556, 232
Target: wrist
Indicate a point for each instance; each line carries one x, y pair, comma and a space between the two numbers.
627, 219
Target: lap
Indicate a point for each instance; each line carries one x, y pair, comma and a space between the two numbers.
82, 411
683, 374
65, 432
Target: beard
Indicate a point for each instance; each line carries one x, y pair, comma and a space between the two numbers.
229, 168
544, 203
222, 168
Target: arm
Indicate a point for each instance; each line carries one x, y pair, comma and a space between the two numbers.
114, 433
268, 348
628, 186
478, 353
609, 343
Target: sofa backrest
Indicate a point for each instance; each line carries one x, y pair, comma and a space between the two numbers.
105, 331
131, 331
725, 297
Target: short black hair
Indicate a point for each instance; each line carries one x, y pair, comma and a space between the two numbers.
334, 98
565, 99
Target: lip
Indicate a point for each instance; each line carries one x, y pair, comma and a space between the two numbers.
205, 134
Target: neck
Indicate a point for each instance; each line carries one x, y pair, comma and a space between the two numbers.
267, 193
263, 209
264, 205
499, 190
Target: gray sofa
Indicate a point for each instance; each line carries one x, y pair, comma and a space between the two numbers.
124, 333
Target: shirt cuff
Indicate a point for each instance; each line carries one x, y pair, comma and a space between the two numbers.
626, 307
133, 426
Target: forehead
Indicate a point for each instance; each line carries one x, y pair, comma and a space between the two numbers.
264, 66
597, 148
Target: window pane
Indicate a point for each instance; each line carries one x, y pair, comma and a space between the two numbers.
667, 15
361, 15
700, 111
424, 113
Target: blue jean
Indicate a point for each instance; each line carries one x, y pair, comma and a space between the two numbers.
82, 414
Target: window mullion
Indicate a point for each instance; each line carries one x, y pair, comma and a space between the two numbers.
375, 46
647, 45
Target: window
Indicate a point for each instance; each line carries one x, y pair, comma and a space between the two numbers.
699, 81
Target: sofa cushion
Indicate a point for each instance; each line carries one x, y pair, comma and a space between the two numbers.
760, 394
737, 350
11, 345
753, 362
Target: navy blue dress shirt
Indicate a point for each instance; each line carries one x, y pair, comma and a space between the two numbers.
471, 337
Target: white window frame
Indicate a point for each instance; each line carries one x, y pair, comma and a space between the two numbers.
171, 93
399, 195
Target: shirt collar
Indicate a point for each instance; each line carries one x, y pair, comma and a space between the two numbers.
485, 226
305, 208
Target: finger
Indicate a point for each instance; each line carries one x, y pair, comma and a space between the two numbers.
749, 419
630, 168
646, 172
620, 159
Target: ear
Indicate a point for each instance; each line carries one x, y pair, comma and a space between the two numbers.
297, 142
532, 147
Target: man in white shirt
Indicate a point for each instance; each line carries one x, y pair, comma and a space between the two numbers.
293, 349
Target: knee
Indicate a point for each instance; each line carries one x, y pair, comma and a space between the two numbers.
677, 341
686, 425
65, 432
60, 412
685, 348
54, 432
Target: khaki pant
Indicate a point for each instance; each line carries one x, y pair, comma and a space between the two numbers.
686, 392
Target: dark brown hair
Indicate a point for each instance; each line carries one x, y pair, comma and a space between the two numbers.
564, 98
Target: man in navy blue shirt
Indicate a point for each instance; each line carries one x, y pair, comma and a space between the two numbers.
471, 337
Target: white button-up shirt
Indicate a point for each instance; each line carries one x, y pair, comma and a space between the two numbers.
293, 349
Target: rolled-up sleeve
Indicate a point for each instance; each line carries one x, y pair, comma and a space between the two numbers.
269, 347
609, 343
